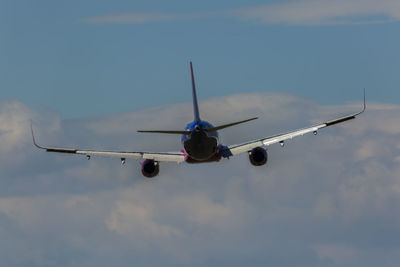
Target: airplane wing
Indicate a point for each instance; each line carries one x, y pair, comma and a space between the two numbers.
162, 156
281, 138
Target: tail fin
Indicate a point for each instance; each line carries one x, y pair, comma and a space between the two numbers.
195, 105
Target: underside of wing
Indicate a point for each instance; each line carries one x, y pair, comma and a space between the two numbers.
281, 138
156, 156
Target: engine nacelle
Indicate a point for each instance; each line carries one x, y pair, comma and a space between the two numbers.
258, 156
150, 168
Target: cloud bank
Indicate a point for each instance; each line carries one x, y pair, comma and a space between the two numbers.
141, 18
132, 18
288, 12
329, 200
325, 12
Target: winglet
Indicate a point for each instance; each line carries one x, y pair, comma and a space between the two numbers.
350, 117
364, 107
33, 138
365, 103
195, 105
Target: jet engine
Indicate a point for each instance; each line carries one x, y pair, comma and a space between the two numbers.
258, 156
150, 168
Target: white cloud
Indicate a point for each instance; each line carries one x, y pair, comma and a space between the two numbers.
289, 12
325, 12
14, 122
138, 220
140, 18
333, 198
339, 253
131, 18
202, 210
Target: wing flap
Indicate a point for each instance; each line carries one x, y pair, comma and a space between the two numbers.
166, 157
112, 154
161, 156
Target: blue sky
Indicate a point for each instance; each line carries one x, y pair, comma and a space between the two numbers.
59, 57
91, 73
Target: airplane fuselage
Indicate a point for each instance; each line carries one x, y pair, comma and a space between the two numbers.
200, 145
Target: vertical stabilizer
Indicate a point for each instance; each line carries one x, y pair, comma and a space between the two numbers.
195, 105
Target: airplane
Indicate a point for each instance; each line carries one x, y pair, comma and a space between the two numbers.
200, 142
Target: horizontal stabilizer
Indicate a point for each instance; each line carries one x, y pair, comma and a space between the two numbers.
228, 125
164, 132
